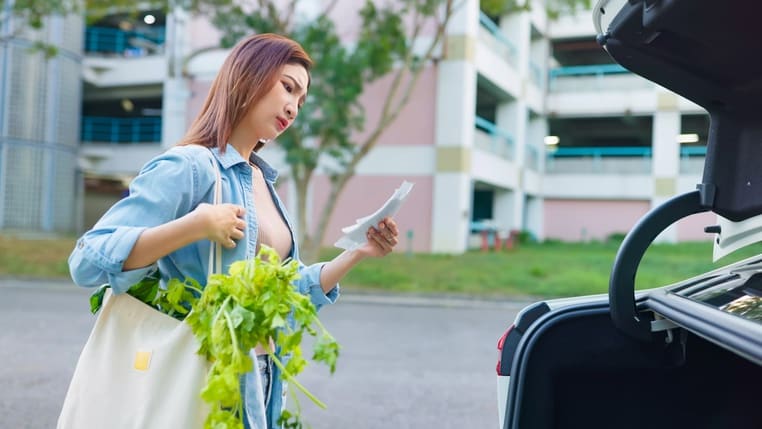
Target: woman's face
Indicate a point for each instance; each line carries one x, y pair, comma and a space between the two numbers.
276, 111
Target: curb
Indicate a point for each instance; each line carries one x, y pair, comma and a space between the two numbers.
355, 297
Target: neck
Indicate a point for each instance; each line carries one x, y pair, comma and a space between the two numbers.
244, 143
243, 149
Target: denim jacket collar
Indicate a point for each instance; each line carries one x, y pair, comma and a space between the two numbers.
231, 157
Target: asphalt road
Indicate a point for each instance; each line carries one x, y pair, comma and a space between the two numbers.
405, 363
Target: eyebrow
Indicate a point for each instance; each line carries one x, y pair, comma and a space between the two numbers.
299, 87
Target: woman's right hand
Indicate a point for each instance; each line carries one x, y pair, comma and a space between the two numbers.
222, 223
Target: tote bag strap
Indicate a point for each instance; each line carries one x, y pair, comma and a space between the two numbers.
215, 249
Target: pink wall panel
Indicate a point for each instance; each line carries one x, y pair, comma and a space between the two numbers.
365, 194
199, 91
415, 123
691, 228
580, 220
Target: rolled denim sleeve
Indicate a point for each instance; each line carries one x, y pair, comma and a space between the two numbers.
99, 256
309, 284
163, 190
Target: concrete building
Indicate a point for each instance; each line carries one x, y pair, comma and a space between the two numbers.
40, 182
525, 124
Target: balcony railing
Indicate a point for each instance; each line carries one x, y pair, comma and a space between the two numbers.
599, 160
594, 77
599, 152
692, 159
590, 70
97, 129
492, 139
504, 45
128, 43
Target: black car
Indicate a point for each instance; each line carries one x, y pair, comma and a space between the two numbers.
686, 355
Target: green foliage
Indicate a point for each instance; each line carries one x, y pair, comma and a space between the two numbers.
554, 8
332, 113
537, 270
616, 237
333, 117
252, 304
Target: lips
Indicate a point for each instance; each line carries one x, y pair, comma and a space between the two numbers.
282, 124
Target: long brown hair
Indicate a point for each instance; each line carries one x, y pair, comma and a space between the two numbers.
248, 73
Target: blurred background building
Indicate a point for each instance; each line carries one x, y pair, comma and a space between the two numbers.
40, 99
525, 125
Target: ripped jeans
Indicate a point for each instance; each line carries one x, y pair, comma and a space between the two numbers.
265, 369
260, 377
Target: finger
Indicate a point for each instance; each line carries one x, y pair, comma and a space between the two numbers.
385, 232
382, 241
236, 234
392, 225
240, 224
374, 237
238, 210
389, 227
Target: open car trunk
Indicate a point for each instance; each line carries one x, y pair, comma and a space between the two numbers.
579, 371
682, 356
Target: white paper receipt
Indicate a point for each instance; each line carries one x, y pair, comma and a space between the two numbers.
354, 235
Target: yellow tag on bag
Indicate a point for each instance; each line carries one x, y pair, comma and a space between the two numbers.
142, 360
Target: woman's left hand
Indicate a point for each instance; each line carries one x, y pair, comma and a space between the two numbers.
381, 239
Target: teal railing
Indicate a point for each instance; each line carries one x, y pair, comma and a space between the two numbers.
114, 40
619, 151
599, 152
498, 34
121, 130
501, 140
686, 151
590, 70
599, 158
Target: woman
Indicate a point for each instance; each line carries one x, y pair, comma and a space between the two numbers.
168, 223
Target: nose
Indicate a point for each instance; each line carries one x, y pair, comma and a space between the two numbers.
291, 112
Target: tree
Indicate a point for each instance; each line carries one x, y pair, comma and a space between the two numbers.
554, 8
391, 41
397, 40
34, 12
331, 119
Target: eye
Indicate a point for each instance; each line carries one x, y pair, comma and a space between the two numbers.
288, 87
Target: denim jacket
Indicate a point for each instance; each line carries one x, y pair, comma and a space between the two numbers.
168, 187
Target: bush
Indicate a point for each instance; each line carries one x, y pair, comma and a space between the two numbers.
616, 237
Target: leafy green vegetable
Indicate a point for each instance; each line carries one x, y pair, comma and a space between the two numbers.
252, 304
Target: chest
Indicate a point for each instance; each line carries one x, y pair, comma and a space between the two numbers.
271, 227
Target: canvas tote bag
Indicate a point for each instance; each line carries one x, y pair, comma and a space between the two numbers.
139, 368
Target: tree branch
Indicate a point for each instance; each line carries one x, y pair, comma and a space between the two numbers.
388, 114
328, 9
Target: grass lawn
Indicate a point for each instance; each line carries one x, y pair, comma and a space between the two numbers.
531, 270
534, 270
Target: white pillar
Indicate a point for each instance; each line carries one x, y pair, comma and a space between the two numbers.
455, 116
666, 155
176, 92
504, 209
534, 221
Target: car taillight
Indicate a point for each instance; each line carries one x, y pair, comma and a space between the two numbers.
500, 344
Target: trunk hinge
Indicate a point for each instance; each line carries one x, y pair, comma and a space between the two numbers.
661, 324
